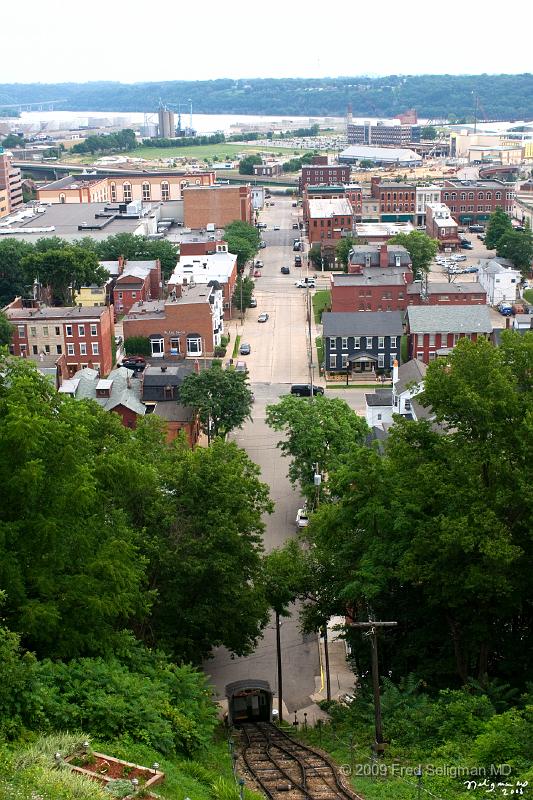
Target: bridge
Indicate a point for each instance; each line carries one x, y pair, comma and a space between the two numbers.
43, 105
501, 169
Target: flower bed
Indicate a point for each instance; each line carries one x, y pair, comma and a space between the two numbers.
104, 769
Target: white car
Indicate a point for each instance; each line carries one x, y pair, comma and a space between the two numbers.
302, 520
304, 284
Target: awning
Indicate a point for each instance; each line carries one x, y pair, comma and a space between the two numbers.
357, 359
156, 336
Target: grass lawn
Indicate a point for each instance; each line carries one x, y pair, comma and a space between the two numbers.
214, 152
319, 342
321, 301
236, 347
528, 295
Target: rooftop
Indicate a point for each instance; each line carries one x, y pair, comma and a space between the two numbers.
123, 389
73, 182
451, 319
68, 313
390, 154
413, 371
322, 209
383, 229
368, 323
369, 278
380, 398
216, 266
171, 411
473, 287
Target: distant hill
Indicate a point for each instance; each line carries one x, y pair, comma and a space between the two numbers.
434, 96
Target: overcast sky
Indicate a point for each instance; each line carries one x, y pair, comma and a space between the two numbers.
56, 40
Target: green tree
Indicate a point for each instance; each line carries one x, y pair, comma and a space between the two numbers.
429, 132
315, 255
6, 330
222, 397
139, 248
204, 548
421, 247
247, 285
65, 270
499, 223
342, 250
316, 432
69, 562
13, 140
366, 163
13, 281
517, 246
243, 240
246, 164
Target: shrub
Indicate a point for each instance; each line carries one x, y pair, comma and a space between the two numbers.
137, 346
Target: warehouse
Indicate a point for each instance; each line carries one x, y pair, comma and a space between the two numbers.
399, 156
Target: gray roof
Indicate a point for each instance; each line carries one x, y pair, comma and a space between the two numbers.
359, 252
120, 392
452, 319
362, 323
379, 398
370, 277
472, 287
495, 266
413, 371
172, 376
173, 412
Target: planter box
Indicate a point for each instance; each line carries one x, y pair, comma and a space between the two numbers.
106, 768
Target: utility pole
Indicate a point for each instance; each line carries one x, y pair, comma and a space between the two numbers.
242, 309
309, 312
372, 627
280, 677
326, 662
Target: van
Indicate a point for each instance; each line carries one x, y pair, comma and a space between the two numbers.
304, 389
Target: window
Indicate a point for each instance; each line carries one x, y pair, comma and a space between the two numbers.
165, 190
174, 346
126, 189
83, 349
381, 360
407, 405
69, 330
393, 341
81, 330
35, 349
70, 349
146, 191
344, 342
397, 261
58, 330
369, 342
47, 349
332, 343
194, 346
113, 188
95, 350
498, 195
21, 331
94, 330
357, 342
431, 340
381, 342
134, 295
470, 195
456, 337
480, 196
392, 359
33, 331
344, 364
444, 340
62, 198
463, 195
59, 349
488, 196
333, 361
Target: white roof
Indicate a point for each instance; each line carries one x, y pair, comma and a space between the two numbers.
203, 269
391, 154
325, 208
373, 229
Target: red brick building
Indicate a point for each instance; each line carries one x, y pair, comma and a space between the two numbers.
471, 202
370, 291
435, 331
451, 294
189, 326
328, 174
218, 205
329, 220
137, 280
396, 199
83, 335
385, 257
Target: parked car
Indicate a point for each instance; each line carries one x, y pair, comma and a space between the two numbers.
240, 366
518, 308
304, 389
285, 271
481, 237
306, 283
245, 349
262, 317
476, 228
295, 226
253, 302
297, 261
302, 519
276, 228
262, 245
257, 273
505, 309
458, 258
258, 264
467, 245
468, 270
136, 363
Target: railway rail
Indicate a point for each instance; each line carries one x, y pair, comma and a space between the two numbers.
285, 768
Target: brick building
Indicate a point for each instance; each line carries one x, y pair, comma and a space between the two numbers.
120, 392
326, 174
10, 184
329, 220
435, 331
124, 188
83, 335
385, 257
189, 326
471, 202
269, 169
451, 294
218, 205
440, 225
397, 200
137, 280
371, 290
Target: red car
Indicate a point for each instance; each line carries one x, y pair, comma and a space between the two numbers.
257, 273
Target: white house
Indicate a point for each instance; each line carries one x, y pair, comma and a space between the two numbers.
407, 383
499, 279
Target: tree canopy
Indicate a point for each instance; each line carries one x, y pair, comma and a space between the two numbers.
421, 247
499, 223
246, 164
517, 246
65, 270
243, 240
342, 250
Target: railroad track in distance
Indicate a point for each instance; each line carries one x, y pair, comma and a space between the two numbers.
288, 770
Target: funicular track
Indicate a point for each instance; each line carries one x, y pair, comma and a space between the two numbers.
285, 768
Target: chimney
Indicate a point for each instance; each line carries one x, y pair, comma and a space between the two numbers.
383, 256
395, 371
